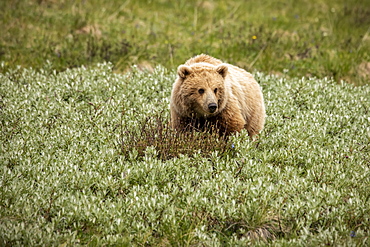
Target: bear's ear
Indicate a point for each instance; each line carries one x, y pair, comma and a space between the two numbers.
183, 71
222, 70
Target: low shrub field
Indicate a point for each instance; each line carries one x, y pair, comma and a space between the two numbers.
87, 158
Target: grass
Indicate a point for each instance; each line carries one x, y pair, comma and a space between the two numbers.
67, 177
296, 38
87, 157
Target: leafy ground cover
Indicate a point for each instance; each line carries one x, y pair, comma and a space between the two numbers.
87, 157
299, 38
67, 180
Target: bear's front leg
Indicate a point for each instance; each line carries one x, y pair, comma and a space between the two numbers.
231, 121
176, 122
179, 123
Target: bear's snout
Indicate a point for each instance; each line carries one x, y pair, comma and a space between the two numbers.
212, 107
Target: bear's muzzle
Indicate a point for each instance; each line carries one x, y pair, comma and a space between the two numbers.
212, 107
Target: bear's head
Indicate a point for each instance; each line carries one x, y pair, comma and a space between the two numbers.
202, 89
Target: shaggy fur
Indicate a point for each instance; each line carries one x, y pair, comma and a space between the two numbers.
211, 94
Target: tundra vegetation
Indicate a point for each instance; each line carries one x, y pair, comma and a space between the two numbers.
87, 156
325, 38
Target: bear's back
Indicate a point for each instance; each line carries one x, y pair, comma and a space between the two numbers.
203, 58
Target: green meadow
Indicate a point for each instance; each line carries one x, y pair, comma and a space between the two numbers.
87, 157
324, 38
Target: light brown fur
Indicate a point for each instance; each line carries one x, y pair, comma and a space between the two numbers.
234, 93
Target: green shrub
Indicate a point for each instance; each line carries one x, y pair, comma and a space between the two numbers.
82, 163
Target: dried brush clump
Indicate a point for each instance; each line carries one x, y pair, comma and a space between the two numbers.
268, 230
155, 131
265, 232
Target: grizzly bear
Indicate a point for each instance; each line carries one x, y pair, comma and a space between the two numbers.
211, 95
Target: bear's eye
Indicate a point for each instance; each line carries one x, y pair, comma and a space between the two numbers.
201, 91
215, 90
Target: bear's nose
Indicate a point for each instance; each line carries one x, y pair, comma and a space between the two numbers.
212, 107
